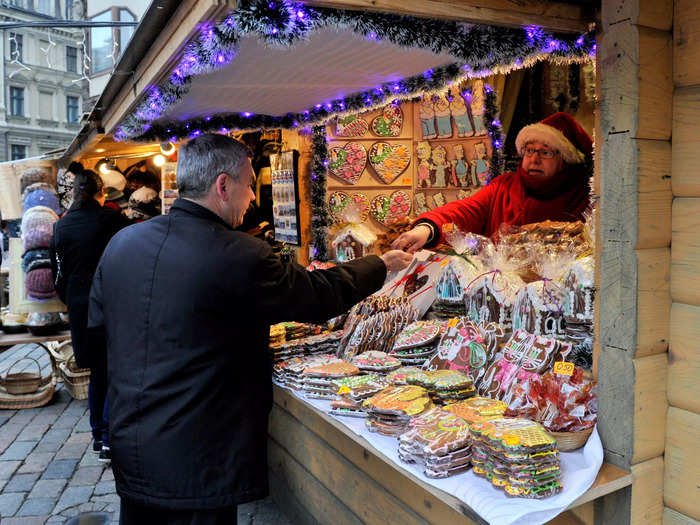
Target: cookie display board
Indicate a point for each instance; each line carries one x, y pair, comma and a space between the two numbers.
407, 158
285, 197
168, 185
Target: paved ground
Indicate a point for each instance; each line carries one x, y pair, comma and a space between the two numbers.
48, 472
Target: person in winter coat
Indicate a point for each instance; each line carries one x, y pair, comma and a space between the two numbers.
185, 303
78, 240
551, 183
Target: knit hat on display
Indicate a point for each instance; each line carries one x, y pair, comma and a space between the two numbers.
114, 179
39, 283
38, 186
37, 215
37, 237
561, 132
32, 175
36, 259
42, 198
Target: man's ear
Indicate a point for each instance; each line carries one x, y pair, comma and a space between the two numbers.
221, 184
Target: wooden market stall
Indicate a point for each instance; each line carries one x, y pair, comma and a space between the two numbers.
646, 253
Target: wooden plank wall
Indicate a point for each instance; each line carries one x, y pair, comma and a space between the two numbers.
634, 182
682, 462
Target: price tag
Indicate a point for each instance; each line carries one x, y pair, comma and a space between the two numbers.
343, 390
563, 368
452, 322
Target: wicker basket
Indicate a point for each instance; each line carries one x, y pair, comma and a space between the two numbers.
22, 382
568, 441
61, 352
41, 396
76, 380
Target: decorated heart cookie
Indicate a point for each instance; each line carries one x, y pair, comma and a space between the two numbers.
351, 126
389, 123
348, 208
416, 334
389, 160
348, 163
388, 208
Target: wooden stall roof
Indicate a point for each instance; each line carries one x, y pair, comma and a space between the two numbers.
143, 66
610, 478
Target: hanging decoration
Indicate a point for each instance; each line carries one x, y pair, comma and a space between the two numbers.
48, 48
319, 210
479, 51
493, 127
85, 70
574, 88
15, 58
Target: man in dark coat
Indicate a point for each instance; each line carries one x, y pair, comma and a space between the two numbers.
78, 240
186, 303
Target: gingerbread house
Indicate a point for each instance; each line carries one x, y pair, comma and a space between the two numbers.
579, 286
454, 279
539, 309
352, 242
490, 297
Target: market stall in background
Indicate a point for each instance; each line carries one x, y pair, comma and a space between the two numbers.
394, 411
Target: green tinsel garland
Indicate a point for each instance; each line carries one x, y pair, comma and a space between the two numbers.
319, 209
493, 126
482, 49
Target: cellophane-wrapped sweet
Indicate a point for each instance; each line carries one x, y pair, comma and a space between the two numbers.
560, 403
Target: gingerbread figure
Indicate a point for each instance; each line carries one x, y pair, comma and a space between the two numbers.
460, 165
443, 117
427, 118
423, 152
480, 166
460, 114
440, 165
478, 106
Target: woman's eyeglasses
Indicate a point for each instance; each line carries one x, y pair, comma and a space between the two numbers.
544, 153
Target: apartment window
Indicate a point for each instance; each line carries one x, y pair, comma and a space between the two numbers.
101, 44
72, 109
18, 152
43, 6
17, 101
45, 105
16, 47
17, 3
71, 59
125, 32
69, 9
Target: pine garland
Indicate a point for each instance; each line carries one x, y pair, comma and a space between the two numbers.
319, 210
493, 126
574, 87
479, 51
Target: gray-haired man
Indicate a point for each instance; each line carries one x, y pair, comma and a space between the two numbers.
185, 303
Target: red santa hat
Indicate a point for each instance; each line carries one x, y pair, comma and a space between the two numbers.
561, 132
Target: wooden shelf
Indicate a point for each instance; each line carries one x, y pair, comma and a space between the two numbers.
28, 338
309, 447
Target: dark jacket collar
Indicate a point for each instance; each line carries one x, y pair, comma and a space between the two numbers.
85, 205
184, 206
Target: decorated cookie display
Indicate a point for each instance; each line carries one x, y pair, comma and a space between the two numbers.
345, 207
399, 376
444, 386
516, 455
389, 411
388, 208
416, 334
352, 242
478, 409
351, 126
360, 387
389, 123
389, 160
335, 369
348, 162
376, 361
438, 440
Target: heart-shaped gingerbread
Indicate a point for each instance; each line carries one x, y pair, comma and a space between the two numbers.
388, 208
389, 160
348, 208
348, 163
389, 123
351, 126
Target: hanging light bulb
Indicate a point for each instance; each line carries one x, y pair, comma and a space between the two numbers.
167, 148
158, 160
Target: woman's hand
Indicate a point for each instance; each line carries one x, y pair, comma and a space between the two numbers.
413, 240
396, 260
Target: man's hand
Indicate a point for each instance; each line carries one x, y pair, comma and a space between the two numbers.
396, 260
412, 240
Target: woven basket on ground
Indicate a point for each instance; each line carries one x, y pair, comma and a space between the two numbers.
75, 380
61, 352
36, 398
568, 441
22, 382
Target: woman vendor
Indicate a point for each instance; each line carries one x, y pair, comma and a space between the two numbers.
551, 183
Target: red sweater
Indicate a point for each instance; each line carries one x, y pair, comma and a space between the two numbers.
507, 200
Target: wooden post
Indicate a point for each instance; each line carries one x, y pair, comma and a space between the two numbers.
633, 156
682, 462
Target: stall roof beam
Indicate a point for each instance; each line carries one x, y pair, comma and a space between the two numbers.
554, 16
